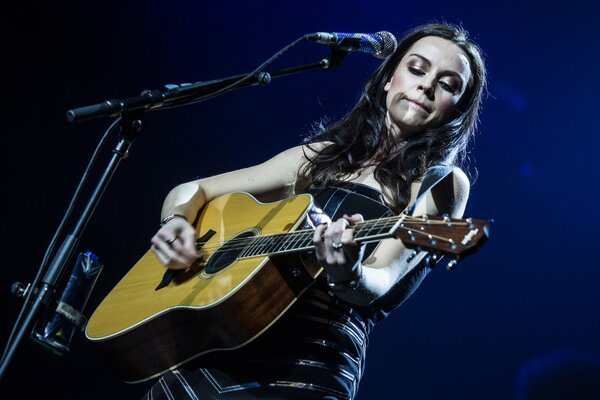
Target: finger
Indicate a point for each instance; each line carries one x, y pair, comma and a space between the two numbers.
159, 254
339, 256
342, 222
318, 241
164, 236
340, 231
347, 238
354, 218
170, 258
177, 247
188, 242
352, 251
185, 234
328, 247
334, 232
165, 243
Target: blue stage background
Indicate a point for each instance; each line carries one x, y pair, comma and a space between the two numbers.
531, 291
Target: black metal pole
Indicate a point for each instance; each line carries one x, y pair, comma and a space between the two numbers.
131, 126
176, 95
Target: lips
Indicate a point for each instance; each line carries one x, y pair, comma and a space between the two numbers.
421, 105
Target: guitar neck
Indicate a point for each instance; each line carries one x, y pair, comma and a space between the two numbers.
299, 241
444, 235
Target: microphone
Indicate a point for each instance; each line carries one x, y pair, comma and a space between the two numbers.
381, 44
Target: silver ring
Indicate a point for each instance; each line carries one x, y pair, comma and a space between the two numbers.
336, 246
171, 241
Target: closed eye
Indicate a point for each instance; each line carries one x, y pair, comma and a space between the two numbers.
416, 71
447, 87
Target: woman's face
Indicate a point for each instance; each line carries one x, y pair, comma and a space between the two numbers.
426, 86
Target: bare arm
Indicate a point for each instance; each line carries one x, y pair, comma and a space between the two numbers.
391, 260
173, 244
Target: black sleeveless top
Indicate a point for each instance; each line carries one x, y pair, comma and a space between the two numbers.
317, 349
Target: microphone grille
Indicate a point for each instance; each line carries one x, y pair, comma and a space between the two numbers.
389, 44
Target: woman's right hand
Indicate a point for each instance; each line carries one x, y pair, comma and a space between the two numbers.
174, 244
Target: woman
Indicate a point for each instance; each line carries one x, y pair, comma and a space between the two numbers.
417, 113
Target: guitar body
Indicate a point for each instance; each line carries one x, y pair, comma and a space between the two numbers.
250, 271
222, 302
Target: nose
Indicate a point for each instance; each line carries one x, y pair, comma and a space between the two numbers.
428, 89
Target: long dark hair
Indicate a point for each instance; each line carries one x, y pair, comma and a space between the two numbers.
361, 139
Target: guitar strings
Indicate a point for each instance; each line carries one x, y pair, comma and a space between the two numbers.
281, 240
243, 242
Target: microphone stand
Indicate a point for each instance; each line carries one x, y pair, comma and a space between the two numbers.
178, 95
132, 111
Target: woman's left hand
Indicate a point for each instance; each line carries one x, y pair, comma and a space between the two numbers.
336, 250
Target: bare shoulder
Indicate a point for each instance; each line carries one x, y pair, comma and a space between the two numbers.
460, 178
461, 184
457, 187
312, 149
298, 154
292, 157
450, 195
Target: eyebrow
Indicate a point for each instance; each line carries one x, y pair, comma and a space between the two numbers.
448, 72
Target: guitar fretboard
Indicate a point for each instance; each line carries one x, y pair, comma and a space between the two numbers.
297, 241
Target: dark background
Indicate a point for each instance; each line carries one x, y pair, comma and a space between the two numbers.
532, 290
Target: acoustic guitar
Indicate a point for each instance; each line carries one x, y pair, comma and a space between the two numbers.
254, 263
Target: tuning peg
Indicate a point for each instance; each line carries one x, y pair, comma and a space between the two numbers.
432, 240
451, 265
412, 255
453, 245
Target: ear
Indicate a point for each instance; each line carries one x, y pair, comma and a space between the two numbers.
388, 85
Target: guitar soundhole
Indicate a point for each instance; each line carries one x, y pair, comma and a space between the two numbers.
228, 252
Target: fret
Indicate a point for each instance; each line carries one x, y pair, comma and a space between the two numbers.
384, 227
369, 228
277, 243
270, 243
365, 230
250, 249
300, 240
377, 229
261, 245
258, 246
303, 240
293, 243
288, 239
307, 242
246, 250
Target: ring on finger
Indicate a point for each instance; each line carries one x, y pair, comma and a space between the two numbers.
336, 246
171, 241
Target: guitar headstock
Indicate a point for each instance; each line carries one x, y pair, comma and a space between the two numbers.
453, 237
